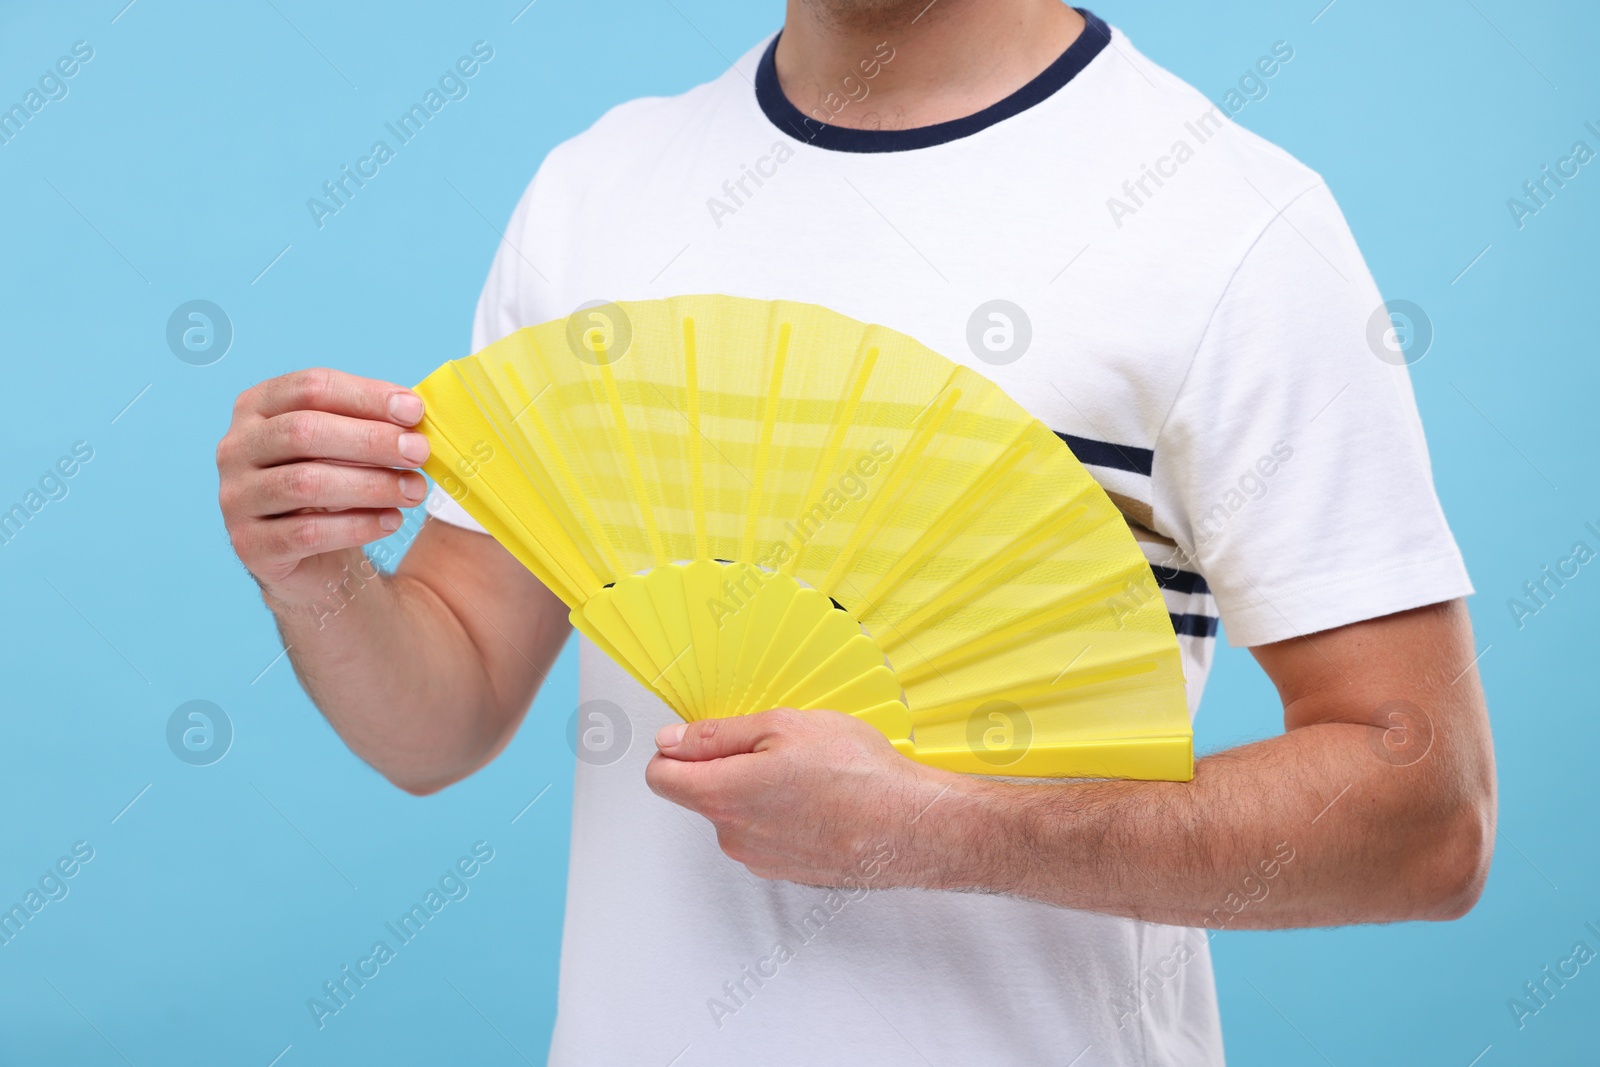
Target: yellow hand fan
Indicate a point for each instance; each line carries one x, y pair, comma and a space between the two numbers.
754, 504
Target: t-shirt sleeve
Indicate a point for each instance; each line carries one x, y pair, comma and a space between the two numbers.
503, 308
1292, 467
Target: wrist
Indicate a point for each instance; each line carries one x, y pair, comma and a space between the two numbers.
964, 836
321, 588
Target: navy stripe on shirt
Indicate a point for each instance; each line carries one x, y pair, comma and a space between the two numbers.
1194, 625
1180, 581
1093, 453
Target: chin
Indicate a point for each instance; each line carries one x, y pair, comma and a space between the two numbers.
869, 15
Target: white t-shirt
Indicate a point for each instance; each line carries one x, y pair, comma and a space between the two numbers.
1183, 303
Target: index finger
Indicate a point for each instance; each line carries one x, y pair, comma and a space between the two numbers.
324, 389
700, 787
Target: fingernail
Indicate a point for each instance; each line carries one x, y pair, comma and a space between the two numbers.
413, 447
671, 736
405, 408
413, 487
389, 520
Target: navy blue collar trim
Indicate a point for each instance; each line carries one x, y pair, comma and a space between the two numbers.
788, 118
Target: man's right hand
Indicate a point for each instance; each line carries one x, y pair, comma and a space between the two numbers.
309, 474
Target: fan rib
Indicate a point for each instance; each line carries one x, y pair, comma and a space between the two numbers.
830, 452
986, 575
505, 515
950, 523
574, 492
802, 622
769, 416
533, 556
697, 474
630, 454
932, 421
758, 622
820, 678
579, 570
1008, 635
1030, 692
1166, 757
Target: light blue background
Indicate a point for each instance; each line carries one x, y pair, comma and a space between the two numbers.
178, 168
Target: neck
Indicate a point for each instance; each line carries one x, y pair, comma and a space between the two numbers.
898, 64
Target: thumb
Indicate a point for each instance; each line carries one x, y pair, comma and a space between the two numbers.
708, 739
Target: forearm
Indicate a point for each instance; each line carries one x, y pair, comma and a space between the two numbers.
425, 674
1311, 828
1377, 803
397, 675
